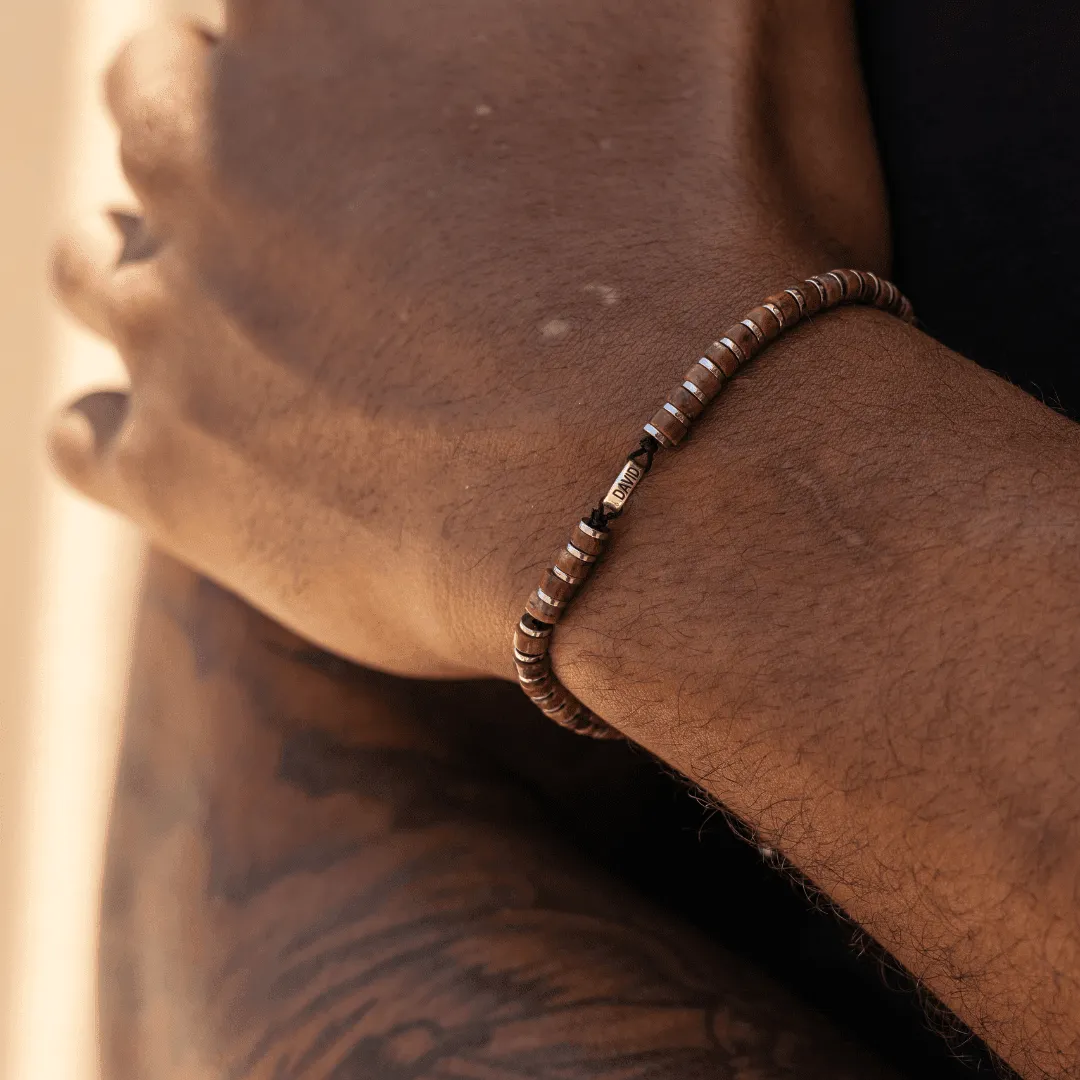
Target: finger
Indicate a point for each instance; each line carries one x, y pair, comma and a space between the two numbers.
87, 268
158, 90
81, 444
83, 263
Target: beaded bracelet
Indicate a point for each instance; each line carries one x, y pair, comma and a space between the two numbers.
667, 429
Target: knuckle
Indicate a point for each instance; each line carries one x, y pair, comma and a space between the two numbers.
157, 140
139, 308
80, 280
155, 89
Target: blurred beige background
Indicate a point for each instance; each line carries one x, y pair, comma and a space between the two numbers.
68, 569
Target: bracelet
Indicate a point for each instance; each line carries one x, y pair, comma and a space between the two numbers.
667, 429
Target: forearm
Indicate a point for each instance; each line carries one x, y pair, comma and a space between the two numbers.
307, 880
850, 609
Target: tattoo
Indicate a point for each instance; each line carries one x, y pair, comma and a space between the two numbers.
308, 880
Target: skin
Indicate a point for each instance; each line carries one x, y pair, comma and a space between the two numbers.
861, 633
313, 873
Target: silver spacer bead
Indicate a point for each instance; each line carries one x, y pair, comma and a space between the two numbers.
524, 658
839, 281
581, 556
564, 576
681, 417
734, 349
659, 436
588, 530
696, 392
532, 679
753, 328
776, 313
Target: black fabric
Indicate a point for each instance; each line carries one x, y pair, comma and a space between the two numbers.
977, 110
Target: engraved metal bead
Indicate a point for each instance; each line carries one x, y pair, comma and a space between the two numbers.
624, 486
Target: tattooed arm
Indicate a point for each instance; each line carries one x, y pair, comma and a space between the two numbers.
309, 878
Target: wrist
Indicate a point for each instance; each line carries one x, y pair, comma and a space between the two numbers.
769, 568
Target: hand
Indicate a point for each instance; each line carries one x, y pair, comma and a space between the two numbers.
410, 279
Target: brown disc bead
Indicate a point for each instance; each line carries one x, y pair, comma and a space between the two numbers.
595, 728
814, 295
538, 691
833, 286
558, 700
529, 646
582, 721
871, 287
723, 357
585, 722
898, 299
688, 404
788, 306
906, 311
888, 296
746, 340
540, 609
531, 670
584, 539
556, 588
667, 429
573, 567
708, 383
766, 322
853, 285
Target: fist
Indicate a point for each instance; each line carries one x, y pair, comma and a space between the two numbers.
406, 279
